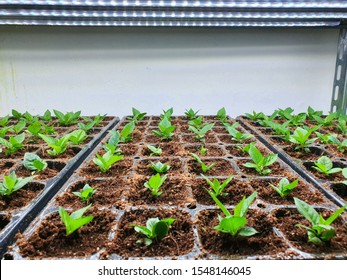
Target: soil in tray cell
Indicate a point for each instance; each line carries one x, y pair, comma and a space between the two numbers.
5, 166
314, 153
303, 191
4, 220
109, 193
223, 167
227, 139
169, 149
49, 239
52, 169
19, 154
334, 177
340, 189
190, 138
235, 190
264, 243
276, 169
334, 151
120, 168
213, 150
129, 150
179, 240
69, 153
287, 219
150, 138
174, 193
278, 140
143, 167
21, 198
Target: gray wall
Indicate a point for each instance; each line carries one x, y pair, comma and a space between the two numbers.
109, 70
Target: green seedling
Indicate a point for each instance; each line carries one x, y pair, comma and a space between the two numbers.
191, 114
285, 113
254, 116
300, 137
203, 151
325, 165
5, 120
35, 128
19, 127
342, 126
29, 118
341, 145
260, 162
76, 220
268, 118
86, 193
201, 132
154, 183
311, 113
47, 116
205, 168
12, 183
196, 122
327, 121
96, 120
155, 229
284, 187
344, 174
297, 120
13, 144
34, 163
325, 138
112, 144
160, 167
165, 129
235, 225
167, 114
58, 145
217, 187
86, 126
137, 115
321, 230
16, 115
222, 115
155, 151
279, 129
125, 135
238, 136
68, 118
106, 161
77, 136
4, 130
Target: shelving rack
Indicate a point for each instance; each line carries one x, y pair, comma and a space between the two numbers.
169, 13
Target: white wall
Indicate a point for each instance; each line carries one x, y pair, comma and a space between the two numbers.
109, 70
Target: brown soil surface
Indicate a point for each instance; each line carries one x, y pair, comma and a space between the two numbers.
5, 166
129, 150
335, 177
227, 139
143, 167
20, 153
340, 189
153, 139
190, 138
169, 149
334, 151
276, 169
69, 153
120, 168
213, 150
20, 198
178, 242
314, 153
222, 167
265, 242
4, 220
286, 219
279, 141
53, 168
108, 193
49, 239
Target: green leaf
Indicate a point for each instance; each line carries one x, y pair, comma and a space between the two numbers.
247, 231
307, 211
255, 154
160, 229
241, 208
335, 215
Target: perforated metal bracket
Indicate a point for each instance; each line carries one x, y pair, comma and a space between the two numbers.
339, 96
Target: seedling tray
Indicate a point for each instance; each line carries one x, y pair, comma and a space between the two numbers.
16, 218
121, 200
302, 162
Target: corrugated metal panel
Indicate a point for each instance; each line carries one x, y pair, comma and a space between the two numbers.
173, 13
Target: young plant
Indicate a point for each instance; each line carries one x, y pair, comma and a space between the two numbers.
155, 229
238, 136
77, 136
5, 120
300, 137
254, 116
68, 118
235, 225
29, 118
155, 151
311, 112
260, 162
201, 132
160, 167
205, 168
191, 114
13, 144
325, 165
327, 121
4, 130
112, 144
342, 125
86, 126
341, 145
19, 127
344, 174
47, 116
106, 161
217, 187
284, 187
125, 135
279, 129
35, 128
86, 193
12, 183
167, 114
321, 230
137, 115
165, 129
58, 145
154, 183
285, 113
203, 151
34, 163
76, 220
325, 138
16, 115
96, 120
297, 120
196, 122
222, 115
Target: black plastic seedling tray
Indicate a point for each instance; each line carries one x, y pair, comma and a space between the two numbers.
18, 220
123, 201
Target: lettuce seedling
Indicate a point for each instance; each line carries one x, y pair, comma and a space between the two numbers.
58, 145
268, 118
76, 220
86, 126
327, 121
19, 126
165, 129
260, 162
137, 115
205, 168
300, 137
285, 113
154, 183
167, 114
16, 115
235, 225
4, 130
68, 118
35, 128
238, 136
5, 120
96, 120
203, 151
29, 118
297, 120
13, 144
284, 187
125, 135
155, 229
106, 161
86, 193
325, 165
321, 230
47, 116
279, 129
155, 151
77, 136
196, 122
341, 145
34, 163
160, 167
217, 187
342, 126
191, 114
12, 183
254, 116
201, 132
325, 138
311, 112
222, 115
